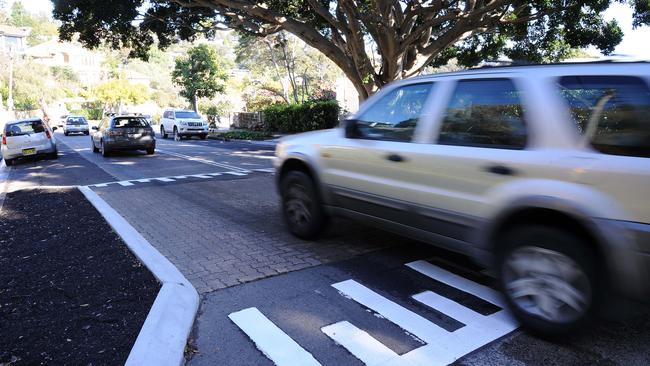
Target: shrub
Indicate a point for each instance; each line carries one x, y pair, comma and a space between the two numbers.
242, 135
90, 114
309, 116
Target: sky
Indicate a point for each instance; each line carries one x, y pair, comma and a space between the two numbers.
634, 42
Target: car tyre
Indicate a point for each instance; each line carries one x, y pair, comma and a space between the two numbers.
151, 151
53, 155
66, 133
163, 134
95, 148
9, 162
203, 137
177, 136
104, 150
549, 279
302, 208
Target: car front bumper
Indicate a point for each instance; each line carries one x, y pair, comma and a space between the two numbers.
195, 131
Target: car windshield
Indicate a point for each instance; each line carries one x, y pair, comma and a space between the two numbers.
187, 114
126, 122
24, 128
76, 121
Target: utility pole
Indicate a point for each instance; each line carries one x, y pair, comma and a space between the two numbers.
10, 96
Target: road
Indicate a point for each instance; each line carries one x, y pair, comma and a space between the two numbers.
357, 296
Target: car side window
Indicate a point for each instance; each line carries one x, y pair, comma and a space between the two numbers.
395, 115
611, 112
484, 113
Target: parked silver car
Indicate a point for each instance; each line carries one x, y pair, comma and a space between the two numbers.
123, 133
27, 138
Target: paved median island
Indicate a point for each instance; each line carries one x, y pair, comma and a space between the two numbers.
71, 291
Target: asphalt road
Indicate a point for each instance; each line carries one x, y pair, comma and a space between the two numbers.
357, 296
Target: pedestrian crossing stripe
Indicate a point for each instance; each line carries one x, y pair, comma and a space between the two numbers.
441, 347
128, 183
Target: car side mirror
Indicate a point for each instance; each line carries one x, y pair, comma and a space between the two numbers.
352, 129
54, 128
94, 128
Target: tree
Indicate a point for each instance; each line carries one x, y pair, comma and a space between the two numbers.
117, 92
42, 27
200, 74
373, 42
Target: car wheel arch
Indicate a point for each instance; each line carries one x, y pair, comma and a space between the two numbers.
302, 163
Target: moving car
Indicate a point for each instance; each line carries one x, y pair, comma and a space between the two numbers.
540, 173
75, 124
27, 137
123, 132
182, 123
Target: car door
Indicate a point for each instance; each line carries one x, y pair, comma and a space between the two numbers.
98, 133
366, 173
479, 142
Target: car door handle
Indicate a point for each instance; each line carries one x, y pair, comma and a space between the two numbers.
500, 169
395, 157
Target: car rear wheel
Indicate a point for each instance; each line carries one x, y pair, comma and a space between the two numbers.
53, 155
163, 134
301, 205
104, 149
151, 150
548, 276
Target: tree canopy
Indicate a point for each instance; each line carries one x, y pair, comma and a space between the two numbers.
200, 74
373, 42
114, 93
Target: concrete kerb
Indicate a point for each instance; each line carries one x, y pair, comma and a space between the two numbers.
4, 174
163, 336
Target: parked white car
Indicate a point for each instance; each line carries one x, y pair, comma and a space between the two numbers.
27, 138
541, 173
182, 123
75, 124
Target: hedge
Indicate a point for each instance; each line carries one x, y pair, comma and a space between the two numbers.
309, 116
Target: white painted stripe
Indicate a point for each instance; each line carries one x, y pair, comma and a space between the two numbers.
404, 318
145, 180
458, 282
265, 170
125, 183
235, 173
361, 344
271, 340
164, 179
101, 185
215, 174
201, 176
201, 160
180, 177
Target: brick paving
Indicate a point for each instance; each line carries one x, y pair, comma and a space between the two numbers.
222, 233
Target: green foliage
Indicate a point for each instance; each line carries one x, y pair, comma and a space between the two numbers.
42, 27
201, 74
90, 114
117, 91
242, 135
309, 116
214, 109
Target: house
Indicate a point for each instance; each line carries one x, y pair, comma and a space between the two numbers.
14, 38
85, 63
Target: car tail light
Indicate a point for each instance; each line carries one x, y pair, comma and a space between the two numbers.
4, 139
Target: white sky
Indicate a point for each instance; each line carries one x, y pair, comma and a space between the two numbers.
634, 42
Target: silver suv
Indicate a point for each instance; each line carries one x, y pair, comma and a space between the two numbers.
541, 173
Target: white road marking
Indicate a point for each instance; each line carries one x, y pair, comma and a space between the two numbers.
442, 347
361, 344
271, 340
235, 173
145, 180
204, 161
165, 179
214, 174
101, 185
265, 170
461, 283
201, 176
125, 183
180, 177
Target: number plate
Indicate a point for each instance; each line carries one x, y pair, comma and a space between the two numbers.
31, 151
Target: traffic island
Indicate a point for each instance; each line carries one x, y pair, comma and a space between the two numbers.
71, 291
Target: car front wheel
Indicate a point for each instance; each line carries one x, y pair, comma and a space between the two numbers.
163, 134
301, 205
548, 276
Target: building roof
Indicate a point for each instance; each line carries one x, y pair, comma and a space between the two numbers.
20, 32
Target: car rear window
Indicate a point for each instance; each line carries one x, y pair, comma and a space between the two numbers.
126, 122
187, 114
611, 112
76, 121
24, 128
